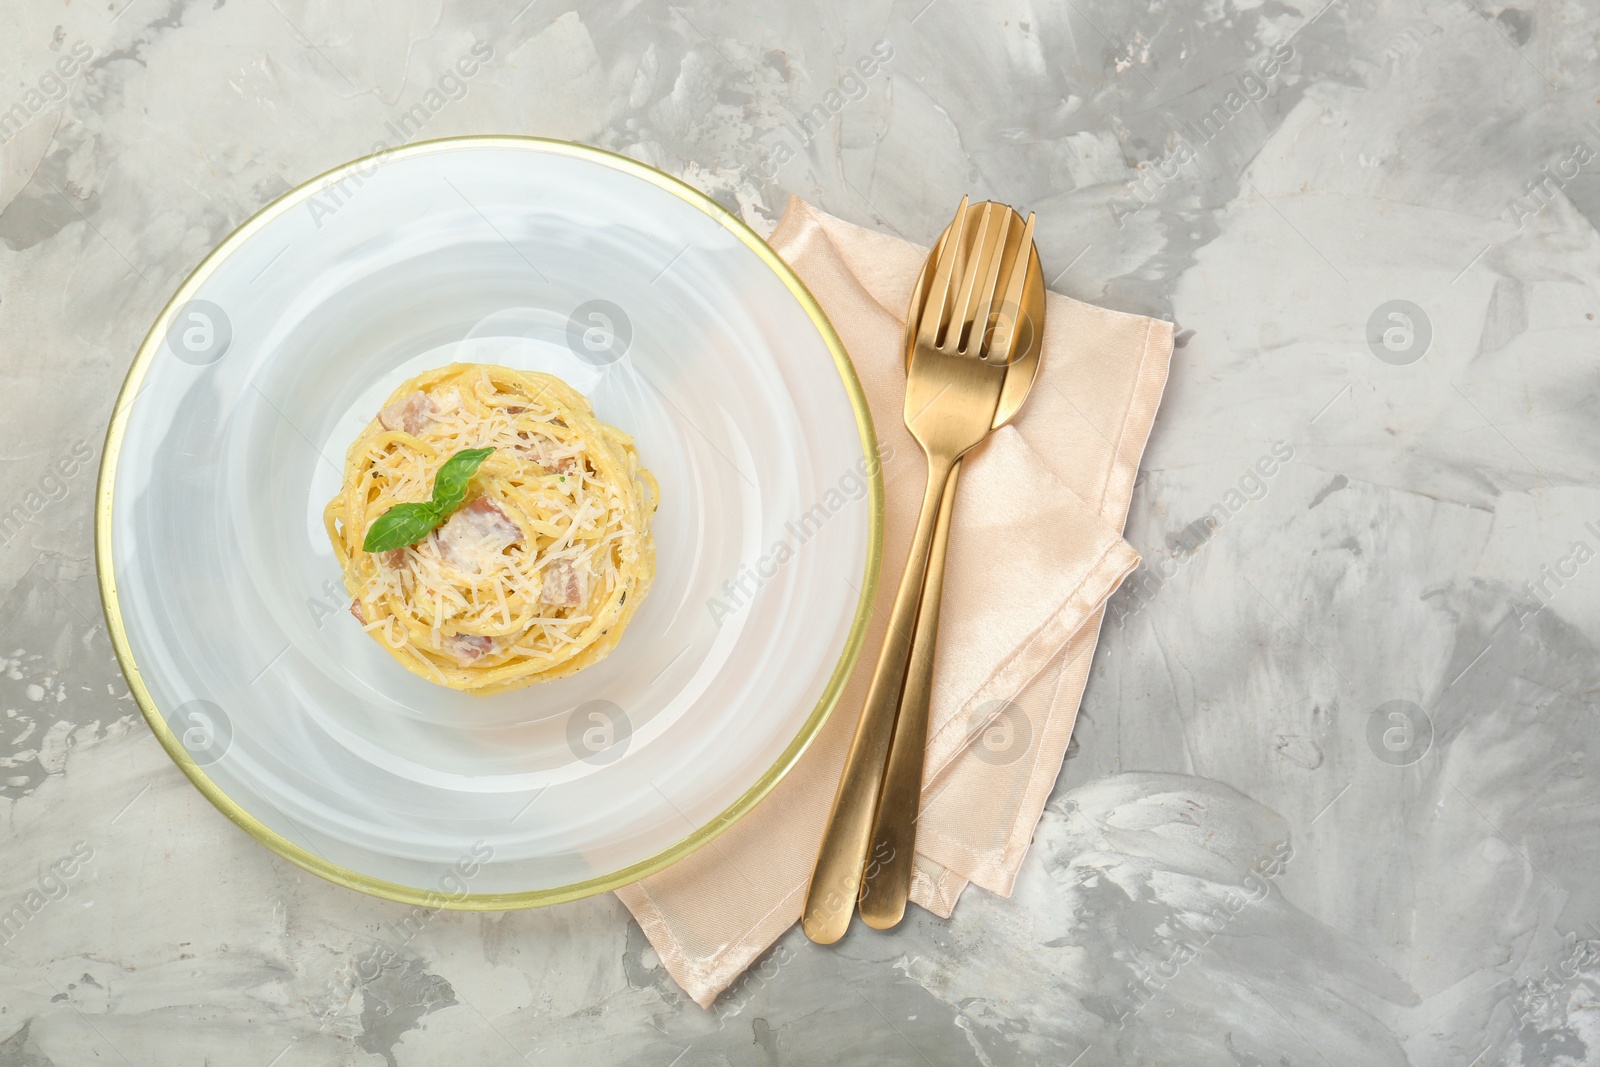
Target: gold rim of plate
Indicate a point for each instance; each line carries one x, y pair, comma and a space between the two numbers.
433, 898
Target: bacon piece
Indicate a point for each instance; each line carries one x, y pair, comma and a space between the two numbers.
411, 414
476, 534
540, 452
565, 586
355, 609
467, 648
395, 557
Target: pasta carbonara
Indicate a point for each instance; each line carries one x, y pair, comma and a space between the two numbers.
536, 574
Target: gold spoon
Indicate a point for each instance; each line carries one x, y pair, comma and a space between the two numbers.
1018, 338
954, 387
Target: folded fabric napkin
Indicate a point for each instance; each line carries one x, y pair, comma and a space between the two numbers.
1017, 628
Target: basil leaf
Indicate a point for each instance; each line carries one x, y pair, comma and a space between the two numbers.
450, 484
406, 524
401, 525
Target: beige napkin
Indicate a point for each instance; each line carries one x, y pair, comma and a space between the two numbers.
1017, 629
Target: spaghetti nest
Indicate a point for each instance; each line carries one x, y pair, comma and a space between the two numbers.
540, 570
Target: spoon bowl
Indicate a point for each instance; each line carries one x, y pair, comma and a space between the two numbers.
1026, 320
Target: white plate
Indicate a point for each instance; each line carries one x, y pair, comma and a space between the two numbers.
683, 329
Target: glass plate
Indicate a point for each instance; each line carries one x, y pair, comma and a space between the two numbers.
682, 327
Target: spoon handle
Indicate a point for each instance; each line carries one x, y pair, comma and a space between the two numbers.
836, 880
887, 879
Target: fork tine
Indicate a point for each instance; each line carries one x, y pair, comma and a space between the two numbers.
944, 278
988, 283
1011, 302
961, 311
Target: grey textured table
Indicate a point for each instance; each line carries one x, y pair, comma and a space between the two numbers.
1363, 637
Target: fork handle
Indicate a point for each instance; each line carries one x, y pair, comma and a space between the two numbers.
836, 880
886, 884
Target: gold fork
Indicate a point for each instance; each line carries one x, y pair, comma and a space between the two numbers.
952, 392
